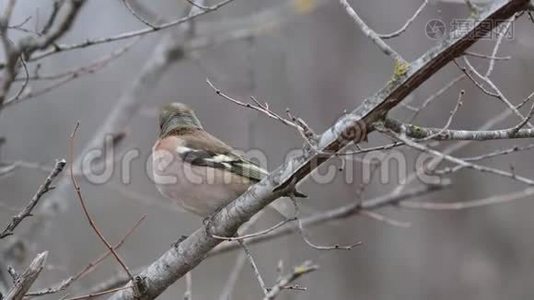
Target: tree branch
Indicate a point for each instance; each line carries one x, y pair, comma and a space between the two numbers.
182, 258
27, 211
418, 132
25, 281
302, 269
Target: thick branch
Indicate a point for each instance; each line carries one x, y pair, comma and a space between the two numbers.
180, 259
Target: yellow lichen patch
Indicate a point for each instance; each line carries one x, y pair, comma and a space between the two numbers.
301, 269
400, 69
304, 6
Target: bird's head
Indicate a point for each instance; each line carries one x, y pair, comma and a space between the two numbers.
177, 115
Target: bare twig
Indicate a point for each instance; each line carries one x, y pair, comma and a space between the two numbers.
226, 293
498, 199
302, 269
335, 214
455, 147
496, 90
499, 152
371, 34
405, 26
254, 266
449, 120
251, 235
26, 47
43, 189
419, 132
63, 285
68, 76
469, 73
127, 35
95, 295
433, 97
310, 243
84, 207
523, 122
260, 107
382, 218
188, 295
303, 129
27, 278
52, 17
136, 15
402, 137
474, 54
24, 84
501, 34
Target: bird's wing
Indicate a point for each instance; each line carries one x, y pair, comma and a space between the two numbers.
203, 149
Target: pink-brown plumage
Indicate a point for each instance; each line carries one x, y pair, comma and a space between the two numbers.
197, 189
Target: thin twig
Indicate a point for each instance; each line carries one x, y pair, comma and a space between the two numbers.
335, 214
379, 217
231, 282
311, 244
498, 199
127, 35
498, 92
188, 295
94, 295
405, 26
371, 34
255, 234
260, 107
84, 208
254, 266
479, 55
70, 75
455, 160
24, 84
136, 15
501, 34
521, 124
304, 130
339, 213
449, 120
433, 97
63, 285
43, 189
302, 269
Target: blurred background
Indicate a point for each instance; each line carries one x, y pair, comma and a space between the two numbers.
307, 56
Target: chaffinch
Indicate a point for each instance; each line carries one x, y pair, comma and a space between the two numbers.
195, 169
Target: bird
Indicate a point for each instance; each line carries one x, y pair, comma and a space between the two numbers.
196, 170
